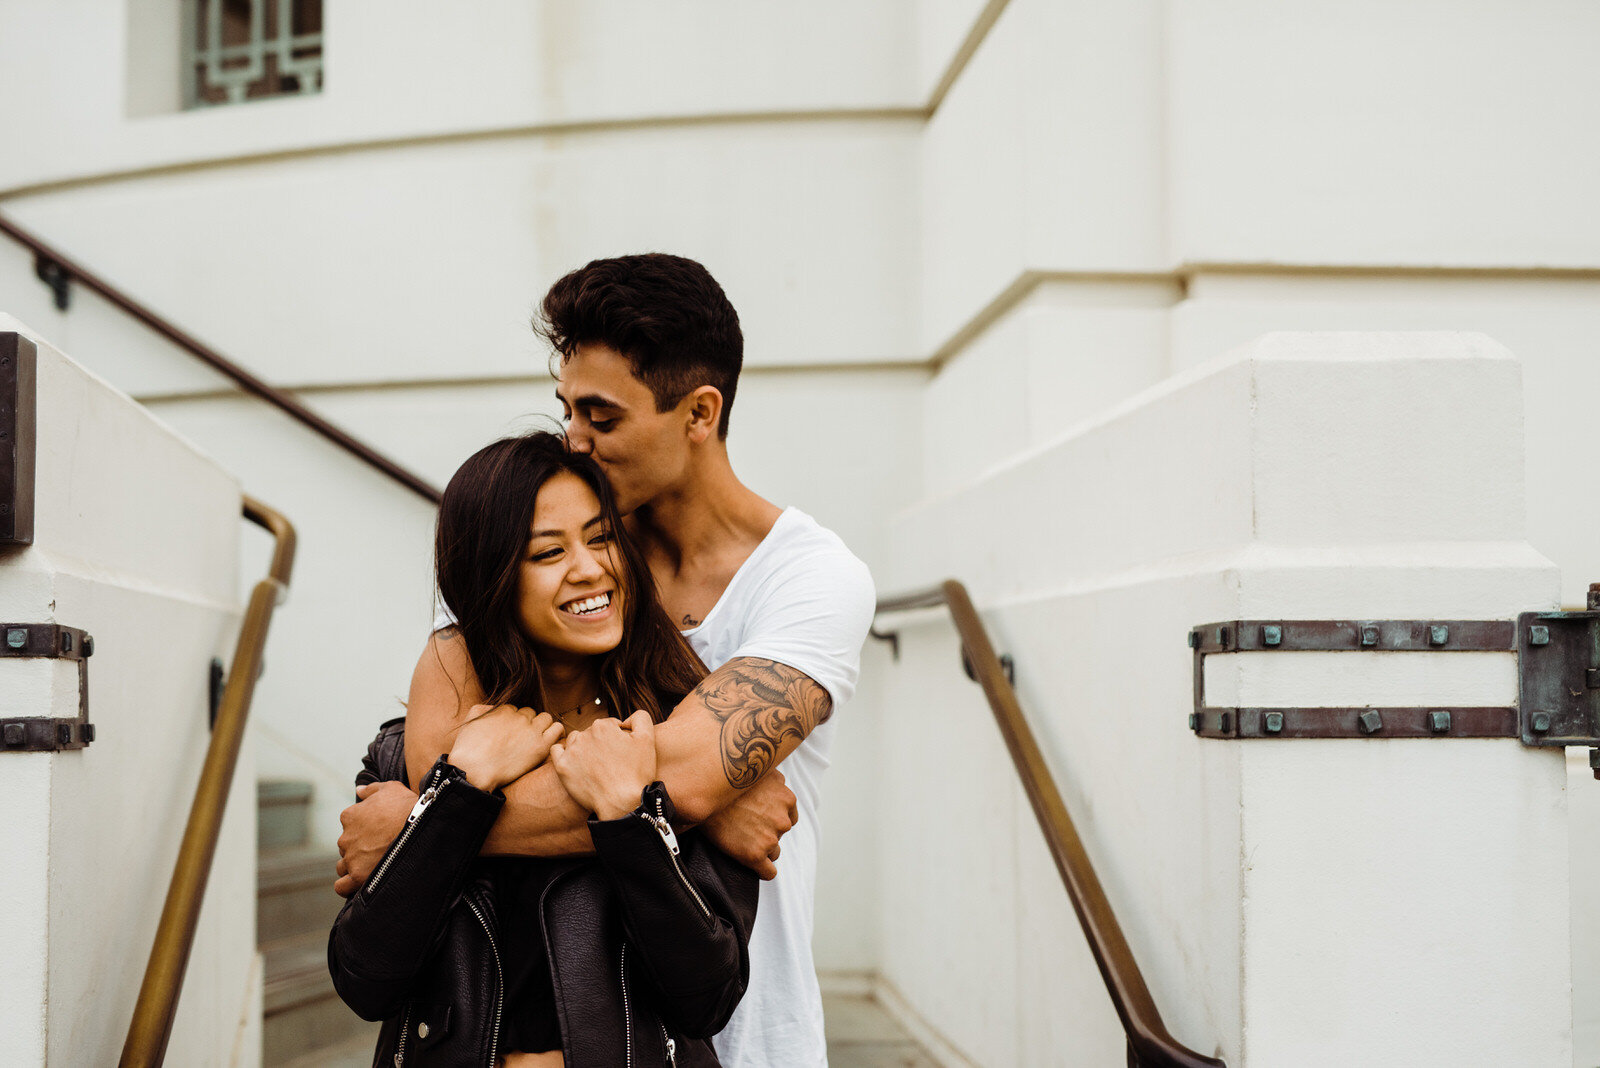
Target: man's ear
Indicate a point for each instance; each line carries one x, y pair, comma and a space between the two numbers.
703, 409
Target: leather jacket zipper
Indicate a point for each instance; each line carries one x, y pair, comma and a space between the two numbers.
499, 981
664, 828
672, 1047
427, 798
627, 1014
405, 1028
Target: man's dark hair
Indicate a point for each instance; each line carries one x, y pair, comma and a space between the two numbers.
666, 314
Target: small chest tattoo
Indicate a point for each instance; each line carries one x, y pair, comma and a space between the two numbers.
690, 621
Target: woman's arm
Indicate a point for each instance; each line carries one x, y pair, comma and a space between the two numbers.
386, 931
689, 922
687, 910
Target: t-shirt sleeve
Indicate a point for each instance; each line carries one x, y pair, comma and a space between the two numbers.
813, 616
442, 616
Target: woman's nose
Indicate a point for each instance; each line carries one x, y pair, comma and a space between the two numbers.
586, 565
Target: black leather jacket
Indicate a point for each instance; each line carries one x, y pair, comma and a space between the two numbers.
647, 948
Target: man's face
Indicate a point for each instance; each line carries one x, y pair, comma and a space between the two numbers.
612, 416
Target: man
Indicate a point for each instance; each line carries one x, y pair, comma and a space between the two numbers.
649, 351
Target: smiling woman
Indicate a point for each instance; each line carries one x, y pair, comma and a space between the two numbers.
467, 958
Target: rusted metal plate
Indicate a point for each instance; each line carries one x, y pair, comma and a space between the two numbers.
1356, 722
1558, 678
18, 427
1354, 636
51, 641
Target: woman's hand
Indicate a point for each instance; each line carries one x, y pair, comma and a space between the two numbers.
503, 743
607, 765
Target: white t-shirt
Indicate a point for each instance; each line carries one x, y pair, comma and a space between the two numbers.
802, 599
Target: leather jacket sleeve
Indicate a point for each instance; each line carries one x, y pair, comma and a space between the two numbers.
386, 931
688, 910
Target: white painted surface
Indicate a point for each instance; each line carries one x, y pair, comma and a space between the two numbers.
1266, 921
136, 537
388, 238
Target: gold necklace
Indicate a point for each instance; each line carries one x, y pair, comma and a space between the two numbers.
562, 718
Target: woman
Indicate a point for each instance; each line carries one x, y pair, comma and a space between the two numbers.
634, 956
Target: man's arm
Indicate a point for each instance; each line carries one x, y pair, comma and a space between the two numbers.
737, 725
718, 743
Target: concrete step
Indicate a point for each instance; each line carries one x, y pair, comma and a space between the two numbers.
294, 893
301, 1014
283, 813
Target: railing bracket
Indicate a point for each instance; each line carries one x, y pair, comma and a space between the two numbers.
57, 277
46, 734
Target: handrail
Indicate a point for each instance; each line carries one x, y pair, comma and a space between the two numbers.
57, 270
146, 1045
1149, 1043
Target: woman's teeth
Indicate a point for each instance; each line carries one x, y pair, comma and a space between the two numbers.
589, 605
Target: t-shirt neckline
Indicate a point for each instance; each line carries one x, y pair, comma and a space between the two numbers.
761, 546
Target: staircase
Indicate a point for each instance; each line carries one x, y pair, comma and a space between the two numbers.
304, 1022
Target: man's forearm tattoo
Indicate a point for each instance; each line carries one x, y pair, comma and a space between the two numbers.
760, 703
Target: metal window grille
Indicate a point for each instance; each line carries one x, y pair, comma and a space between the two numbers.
239, 50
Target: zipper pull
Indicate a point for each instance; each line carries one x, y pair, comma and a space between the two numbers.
422, 802
663, 827
672, 1052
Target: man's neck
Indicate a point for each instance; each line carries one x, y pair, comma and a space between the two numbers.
700, 523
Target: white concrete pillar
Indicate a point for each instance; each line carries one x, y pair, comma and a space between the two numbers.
1290, 902
136, 542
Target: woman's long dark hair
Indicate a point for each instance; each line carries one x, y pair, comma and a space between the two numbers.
479, 545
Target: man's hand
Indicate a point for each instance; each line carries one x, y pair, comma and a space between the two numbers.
748, 830
370, 824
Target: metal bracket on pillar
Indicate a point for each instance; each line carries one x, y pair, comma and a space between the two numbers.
18, 426
45, 734
1558, 678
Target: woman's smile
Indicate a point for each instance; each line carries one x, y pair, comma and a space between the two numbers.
570, 598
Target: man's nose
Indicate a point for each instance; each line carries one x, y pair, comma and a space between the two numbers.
579, 439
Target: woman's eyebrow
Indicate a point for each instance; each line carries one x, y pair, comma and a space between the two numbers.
558, 533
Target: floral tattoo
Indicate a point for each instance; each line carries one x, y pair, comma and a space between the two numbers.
761, 704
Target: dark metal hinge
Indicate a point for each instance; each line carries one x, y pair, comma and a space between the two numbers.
35, 734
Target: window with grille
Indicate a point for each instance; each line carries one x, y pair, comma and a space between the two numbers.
240, 50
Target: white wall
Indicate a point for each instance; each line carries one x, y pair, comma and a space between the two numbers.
136, 542
1293, 903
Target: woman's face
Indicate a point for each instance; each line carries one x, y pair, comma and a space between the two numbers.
569, 598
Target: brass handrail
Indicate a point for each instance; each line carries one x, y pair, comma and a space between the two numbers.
1149, 1043
153, 1013
63, 270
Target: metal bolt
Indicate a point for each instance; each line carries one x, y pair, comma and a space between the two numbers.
1272, 635
15, 734
17, 637
1594, 596
88, 645
1194, 639
1439, 722
87, 733
64, 733
1541, 722
1594, 760
1194, 721
1369, 635
1226, 722
1274, 722
66, 642
1438, 634
1222, 637
1538, 635
1371, 722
